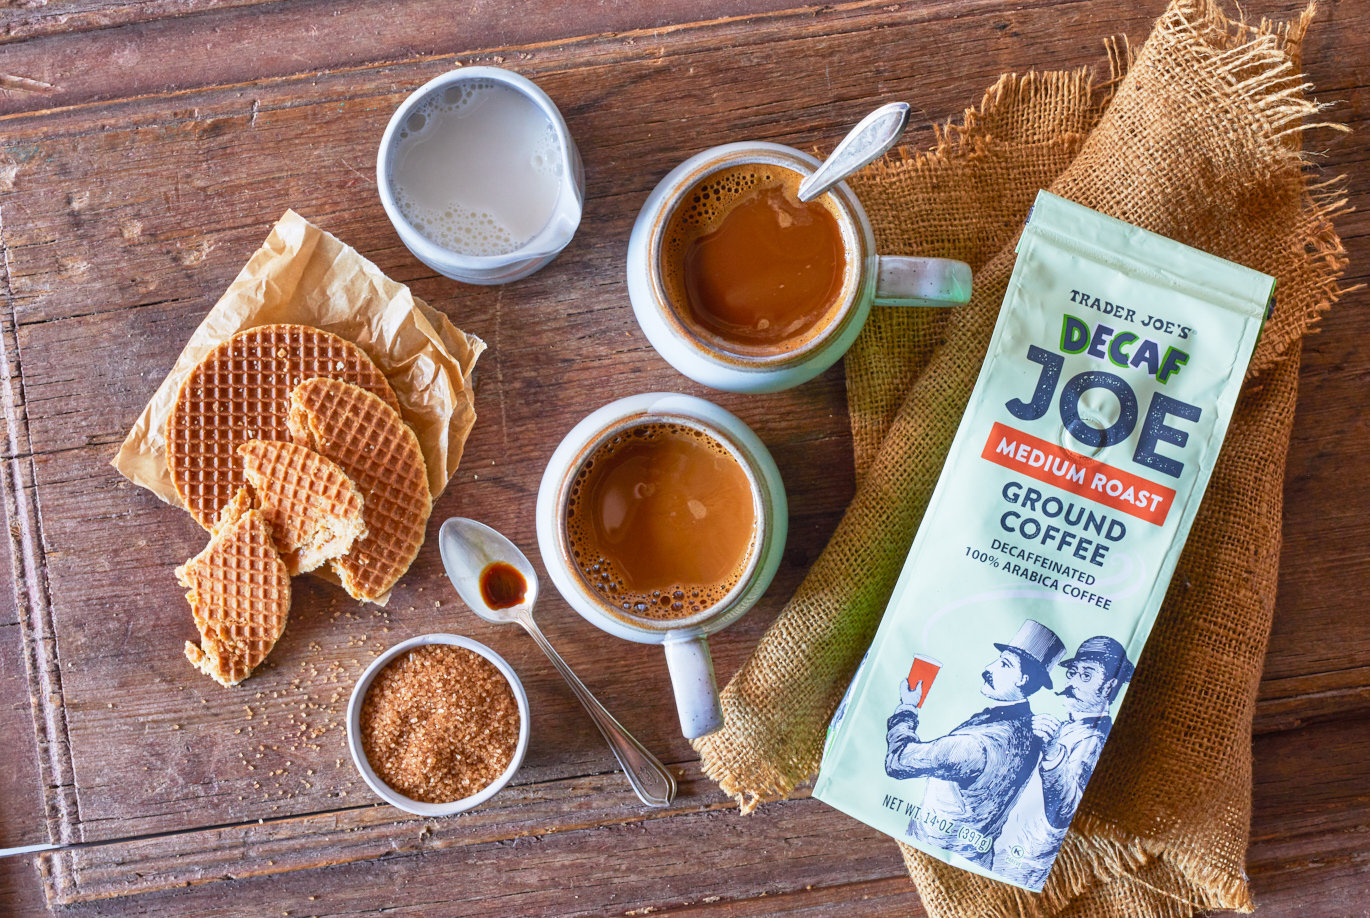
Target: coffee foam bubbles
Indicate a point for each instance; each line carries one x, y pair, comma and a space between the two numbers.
493, 184
703, 208
546, 156
600, 573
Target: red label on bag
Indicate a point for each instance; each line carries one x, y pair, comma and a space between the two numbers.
1068, 470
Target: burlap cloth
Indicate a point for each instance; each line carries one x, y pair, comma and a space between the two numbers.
1198, 137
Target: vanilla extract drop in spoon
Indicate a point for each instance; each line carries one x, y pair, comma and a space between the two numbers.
498, 583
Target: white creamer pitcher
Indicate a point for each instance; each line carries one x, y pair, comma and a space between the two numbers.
530, 255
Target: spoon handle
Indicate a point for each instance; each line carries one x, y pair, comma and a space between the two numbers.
649, 778
863, 145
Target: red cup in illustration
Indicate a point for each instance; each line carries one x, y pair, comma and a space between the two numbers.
921, 675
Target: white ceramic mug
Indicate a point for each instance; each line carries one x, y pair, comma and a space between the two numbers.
684, 639
533, 254
869, 279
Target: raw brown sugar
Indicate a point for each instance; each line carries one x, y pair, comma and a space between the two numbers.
439, 723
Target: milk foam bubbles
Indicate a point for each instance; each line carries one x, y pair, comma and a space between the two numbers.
477, 168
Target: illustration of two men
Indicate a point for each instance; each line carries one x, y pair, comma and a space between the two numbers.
975, 803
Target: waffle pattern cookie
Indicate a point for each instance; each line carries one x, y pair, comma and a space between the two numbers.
239, 593
313, 509
240, 391
371, 443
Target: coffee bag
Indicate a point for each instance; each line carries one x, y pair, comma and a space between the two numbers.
974, 724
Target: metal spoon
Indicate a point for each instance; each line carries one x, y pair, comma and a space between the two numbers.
864, 144
468, 548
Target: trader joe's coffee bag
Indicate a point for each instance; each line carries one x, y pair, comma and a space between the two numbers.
974, 724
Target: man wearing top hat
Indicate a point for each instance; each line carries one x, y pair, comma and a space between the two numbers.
976, 771
1094, 676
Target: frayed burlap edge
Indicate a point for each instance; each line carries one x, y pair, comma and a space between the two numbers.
1096, 854
1262, 65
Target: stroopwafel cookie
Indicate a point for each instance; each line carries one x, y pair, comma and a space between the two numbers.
375, 448
313, 509
239, 594
240, 391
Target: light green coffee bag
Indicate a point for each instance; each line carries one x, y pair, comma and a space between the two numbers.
974, 724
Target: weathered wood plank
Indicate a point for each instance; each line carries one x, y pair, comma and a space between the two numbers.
525, 812
1288, 703
615, 869
424, 24
20, 19
1316, 666
34, 655
1308, 858
889, 896
21, 789
1310, 839
226, 47
1329, 813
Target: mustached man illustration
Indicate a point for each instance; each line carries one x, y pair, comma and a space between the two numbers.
1035, 828
976, 771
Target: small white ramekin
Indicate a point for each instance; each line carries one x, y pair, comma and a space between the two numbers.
354, 731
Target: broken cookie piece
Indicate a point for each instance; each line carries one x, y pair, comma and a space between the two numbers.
314, 511
376, 449
239, 594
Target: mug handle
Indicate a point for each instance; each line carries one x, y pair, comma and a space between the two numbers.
692, 679
902, 280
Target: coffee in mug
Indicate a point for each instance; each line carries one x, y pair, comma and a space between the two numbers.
748, 265
740, 286
660, 521
654, 495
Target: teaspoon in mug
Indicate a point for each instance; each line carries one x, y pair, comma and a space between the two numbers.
864, 144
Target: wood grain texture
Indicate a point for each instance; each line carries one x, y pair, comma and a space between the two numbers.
1308, 858
470, 25
152, 47
234, 111
21, 815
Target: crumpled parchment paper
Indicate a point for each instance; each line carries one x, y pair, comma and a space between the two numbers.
305, 276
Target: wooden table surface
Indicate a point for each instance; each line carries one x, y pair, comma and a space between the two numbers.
145, 148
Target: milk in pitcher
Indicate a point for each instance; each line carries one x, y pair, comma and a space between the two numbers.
477, 168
